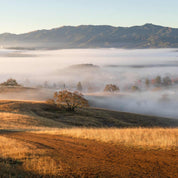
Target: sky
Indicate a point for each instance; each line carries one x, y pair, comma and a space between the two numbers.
21, 16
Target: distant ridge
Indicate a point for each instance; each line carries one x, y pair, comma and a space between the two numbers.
92, 36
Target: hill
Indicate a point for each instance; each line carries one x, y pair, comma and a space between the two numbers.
21, 115
39, 140
90, 36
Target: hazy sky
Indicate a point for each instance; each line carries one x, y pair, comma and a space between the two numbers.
18, 16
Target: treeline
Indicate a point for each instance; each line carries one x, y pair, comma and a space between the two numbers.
91, 86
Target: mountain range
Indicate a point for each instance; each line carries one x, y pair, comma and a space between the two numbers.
91, 36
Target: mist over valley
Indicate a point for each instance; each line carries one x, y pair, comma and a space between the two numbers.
134, 72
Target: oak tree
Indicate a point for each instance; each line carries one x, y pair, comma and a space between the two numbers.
70, 100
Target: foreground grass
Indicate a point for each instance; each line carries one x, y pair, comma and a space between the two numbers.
26, 154
35, 157
153, 138
19, 159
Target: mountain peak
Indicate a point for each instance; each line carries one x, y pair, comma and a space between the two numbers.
149, 24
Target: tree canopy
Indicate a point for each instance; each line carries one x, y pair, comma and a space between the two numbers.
111, 88
10, 82
70, 100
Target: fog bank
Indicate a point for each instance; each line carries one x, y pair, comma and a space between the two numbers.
94, 68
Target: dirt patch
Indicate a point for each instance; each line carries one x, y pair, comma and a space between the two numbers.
80, 157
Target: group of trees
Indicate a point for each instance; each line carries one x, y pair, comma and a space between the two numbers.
54, 85
159, 81
69, 100
79, 87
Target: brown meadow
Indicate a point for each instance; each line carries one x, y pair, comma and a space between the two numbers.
38, 140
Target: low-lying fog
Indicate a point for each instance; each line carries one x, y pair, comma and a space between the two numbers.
128, 69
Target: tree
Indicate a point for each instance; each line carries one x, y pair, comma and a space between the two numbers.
158, 80
111, 88
10, 82
79, 86
135, 88
70, 100
167, 81
147, 82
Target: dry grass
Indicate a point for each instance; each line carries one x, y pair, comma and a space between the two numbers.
15, 121
44, 155
29, 115
152, 138
12, 148
20, 157
17, 157
43, 165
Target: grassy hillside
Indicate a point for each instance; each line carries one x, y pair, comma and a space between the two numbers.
36, 114
39, 140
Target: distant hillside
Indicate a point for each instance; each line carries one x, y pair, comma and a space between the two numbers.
89, 36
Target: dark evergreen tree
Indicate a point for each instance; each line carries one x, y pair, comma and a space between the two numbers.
79, 86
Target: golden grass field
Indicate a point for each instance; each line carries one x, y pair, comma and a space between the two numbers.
14, 152
38, 140
147, 138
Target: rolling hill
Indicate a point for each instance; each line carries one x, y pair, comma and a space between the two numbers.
19, 114
39, 140
90, 36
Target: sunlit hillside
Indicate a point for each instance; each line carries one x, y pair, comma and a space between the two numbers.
38, 139
38, 114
